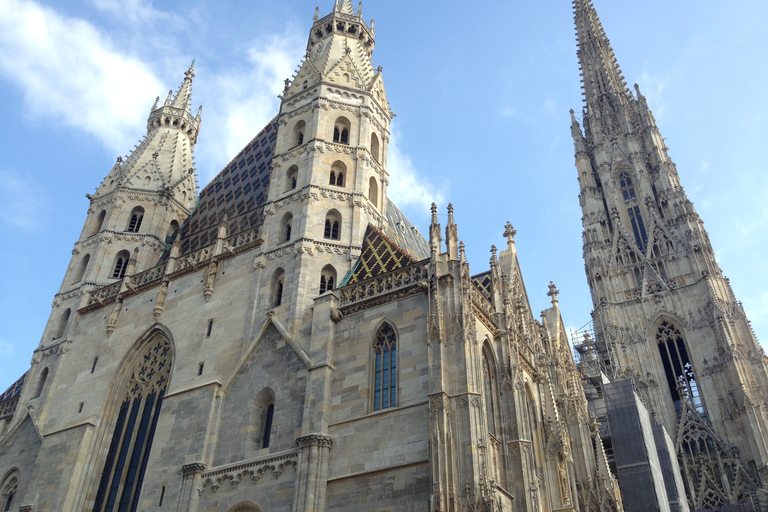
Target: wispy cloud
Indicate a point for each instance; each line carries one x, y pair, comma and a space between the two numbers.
131, 10
246, 99
407, 187
18, 210
6, 348
71, 72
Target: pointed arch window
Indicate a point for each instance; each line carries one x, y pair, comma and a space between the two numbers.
137, 215
278, 281
268, 426
327, 279
627, 188
121, 264
488, 391
126, 462
341, 130
332, 226
8, 490
677, 366
385, 368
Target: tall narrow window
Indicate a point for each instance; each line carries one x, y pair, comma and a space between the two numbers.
121, 264
375, 147
298, 132
128, 453
81, 269
61, 328
373, 191
638, 227
385, 371
137, 215
286, 223
677, 366
279, 294
627, 189
99, 222
41, 383
268, 426
488, 386
291, 178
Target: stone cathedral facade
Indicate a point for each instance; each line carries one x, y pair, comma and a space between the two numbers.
288, 341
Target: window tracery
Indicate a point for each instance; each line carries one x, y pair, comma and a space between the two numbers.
385, 368
126, 462
677, 366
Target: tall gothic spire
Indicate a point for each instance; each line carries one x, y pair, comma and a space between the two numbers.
601, 76
184, 95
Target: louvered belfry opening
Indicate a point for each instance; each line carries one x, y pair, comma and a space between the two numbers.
126, 463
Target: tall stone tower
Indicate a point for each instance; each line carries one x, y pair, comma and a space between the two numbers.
665, 316
328, 180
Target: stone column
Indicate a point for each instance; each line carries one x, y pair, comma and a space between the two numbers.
312, 478
190, 482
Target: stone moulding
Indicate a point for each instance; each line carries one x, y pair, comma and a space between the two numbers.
185, 264
384, 288
254, 470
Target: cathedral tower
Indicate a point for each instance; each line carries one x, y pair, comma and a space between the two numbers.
143, 200
328, 180
665, 316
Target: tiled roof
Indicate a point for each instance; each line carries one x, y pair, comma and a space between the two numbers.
15, 390
380, 254
405, 234
239, 191
484, 284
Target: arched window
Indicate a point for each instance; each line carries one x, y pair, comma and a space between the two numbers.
385, 368
142, 398
677, 366
298, 133
285, 228
375, 147
62, 325
338, 170
99, 222
489, 392
172, 228
341, 130
263, 416
41, 383
137, 215
8, 490
278, 283
373, 191
627, 189
291, 178
327, 279
81, 269
268, 426
121, 264
332, 225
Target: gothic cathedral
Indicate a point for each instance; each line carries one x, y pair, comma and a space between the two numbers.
286, 340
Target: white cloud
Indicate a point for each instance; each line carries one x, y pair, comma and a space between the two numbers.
18, 210
246, 99
130, 10
70, 72
6, 348
407, 187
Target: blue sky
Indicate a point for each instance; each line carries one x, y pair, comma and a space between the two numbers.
481, 90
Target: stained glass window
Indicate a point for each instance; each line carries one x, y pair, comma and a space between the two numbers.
385, 374
126, 462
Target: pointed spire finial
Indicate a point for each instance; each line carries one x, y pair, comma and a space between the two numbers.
360, 10
434, 213
450, 213
317, 14
462, 252
494, 258
553, 292
157, 102
169, 98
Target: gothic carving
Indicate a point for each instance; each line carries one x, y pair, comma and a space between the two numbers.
249, 471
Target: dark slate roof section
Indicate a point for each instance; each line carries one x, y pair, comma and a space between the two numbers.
484, 284
15, 390
405, 234
380, 254
239, 191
